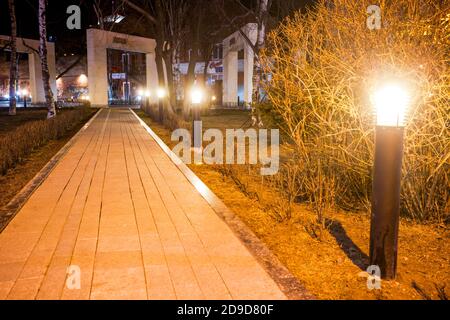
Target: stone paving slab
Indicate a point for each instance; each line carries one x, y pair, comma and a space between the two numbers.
118, 208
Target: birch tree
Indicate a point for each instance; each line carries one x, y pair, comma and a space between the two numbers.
13, 62
262, 17
49, 99
258, 13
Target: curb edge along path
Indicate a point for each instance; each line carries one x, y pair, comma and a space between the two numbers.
288, 283
8, 211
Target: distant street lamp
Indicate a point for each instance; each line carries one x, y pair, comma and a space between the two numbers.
391, 103
82, 80
213, 100
161, 94
24, 97
196, 99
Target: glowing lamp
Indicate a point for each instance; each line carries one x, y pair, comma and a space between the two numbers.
391, 104
82, 79
196, 96
161, 93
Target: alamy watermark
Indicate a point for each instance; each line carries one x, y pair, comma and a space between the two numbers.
236, 143
373, 21
74, 20
374, 277
73, 281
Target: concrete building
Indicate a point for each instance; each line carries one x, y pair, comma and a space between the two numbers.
98, 44
230, 71
232, 46
30, 47
118, 66
73, 84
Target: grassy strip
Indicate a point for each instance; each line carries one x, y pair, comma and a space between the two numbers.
16, 145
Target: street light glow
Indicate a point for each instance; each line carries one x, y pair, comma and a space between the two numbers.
147, 93
82, 79
140, 92
391, 105
161, 93
196, 96
24, 92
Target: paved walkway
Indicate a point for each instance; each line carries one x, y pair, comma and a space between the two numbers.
118, 208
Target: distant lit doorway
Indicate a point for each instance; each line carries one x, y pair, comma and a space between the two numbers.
126, 76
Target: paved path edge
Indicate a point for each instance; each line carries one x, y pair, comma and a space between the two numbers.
9, 211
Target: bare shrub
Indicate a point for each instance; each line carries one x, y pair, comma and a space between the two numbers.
321, 68
170, 119
440, 291
18, 144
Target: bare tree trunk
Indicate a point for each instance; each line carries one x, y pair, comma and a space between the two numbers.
263, 14
207, 57
161, 21
159, 54
193, 59
13, 60
262, 23
43, 56
168, 61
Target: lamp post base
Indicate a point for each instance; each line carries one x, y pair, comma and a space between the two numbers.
386, 200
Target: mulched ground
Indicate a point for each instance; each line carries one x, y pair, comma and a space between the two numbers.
9, 123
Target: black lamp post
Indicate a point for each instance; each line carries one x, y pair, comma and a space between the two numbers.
391, 103
196, 99
24, 97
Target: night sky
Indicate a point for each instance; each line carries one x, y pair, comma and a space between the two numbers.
68, 41
27, 22
27, 17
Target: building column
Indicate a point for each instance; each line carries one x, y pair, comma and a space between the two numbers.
230, 78
97, 69
35, 69
36, 83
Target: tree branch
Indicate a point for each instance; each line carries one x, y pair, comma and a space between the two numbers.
31, 48
137, 8
242, 33
70, 67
